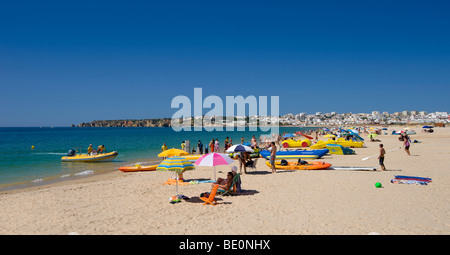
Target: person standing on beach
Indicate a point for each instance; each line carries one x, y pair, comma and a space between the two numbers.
381, 157
164, 147
200, 147
226, 145
406, 143
211, 145
216, 146
272, 156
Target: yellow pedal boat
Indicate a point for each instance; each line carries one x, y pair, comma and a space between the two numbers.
300, 143
340, 141
90, 158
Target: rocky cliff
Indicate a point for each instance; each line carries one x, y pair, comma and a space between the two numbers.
127, 123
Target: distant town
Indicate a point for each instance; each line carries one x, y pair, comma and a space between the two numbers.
373, 118
290, 119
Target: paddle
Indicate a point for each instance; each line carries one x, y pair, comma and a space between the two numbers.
379, 154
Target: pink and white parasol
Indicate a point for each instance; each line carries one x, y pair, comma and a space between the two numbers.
214, 159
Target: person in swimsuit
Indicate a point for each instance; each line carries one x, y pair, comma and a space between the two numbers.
272, 157
381, 157
224, 184
406, 143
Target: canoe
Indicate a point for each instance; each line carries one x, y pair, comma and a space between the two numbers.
87, 158
137, 168
316, 165
311, 154
291, 143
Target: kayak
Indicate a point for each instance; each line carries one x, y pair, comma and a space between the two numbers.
90, 158
291, 143
317, 165
312, 154
137, 168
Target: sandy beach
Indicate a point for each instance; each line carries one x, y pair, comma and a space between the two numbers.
288, 202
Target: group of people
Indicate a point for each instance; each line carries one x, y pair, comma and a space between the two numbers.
404, 138
100, 149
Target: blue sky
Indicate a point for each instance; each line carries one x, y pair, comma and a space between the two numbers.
70, 62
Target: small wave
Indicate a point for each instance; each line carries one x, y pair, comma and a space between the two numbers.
37, 180
87, 172
65, 175
50, 153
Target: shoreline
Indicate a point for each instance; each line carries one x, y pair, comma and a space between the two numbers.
74, 178
285, 203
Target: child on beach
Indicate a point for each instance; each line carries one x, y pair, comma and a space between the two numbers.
381, 157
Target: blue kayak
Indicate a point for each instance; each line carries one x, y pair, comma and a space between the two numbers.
319, 153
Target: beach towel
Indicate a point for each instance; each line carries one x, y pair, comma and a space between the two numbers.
411, 180
174, 182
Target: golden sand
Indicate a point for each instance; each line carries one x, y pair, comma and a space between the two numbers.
288, 202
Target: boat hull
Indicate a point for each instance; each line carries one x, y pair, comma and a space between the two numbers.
86, 158
312, 154
295, 166
138, 168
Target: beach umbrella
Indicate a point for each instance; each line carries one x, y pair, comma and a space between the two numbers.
172, 152
214, 159
288, 135
330, 136
427, 127
384, 129
239, 148
175, 164
372, 136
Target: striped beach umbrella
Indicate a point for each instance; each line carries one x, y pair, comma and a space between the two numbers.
175, 164
239, 148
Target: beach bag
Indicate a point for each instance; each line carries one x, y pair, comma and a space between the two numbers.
284, 162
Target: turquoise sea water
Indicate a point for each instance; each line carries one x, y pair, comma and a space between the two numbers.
20, 166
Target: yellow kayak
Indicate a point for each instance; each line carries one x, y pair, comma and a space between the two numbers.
137, 168
88, 158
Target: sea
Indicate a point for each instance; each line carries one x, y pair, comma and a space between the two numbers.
31, 156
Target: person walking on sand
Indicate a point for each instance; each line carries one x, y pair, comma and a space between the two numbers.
381, 157
272, 156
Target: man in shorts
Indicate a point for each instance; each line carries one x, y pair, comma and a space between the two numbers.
272, 156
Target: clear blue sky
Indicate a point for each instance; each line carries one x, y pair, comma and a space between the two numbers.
70, 62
